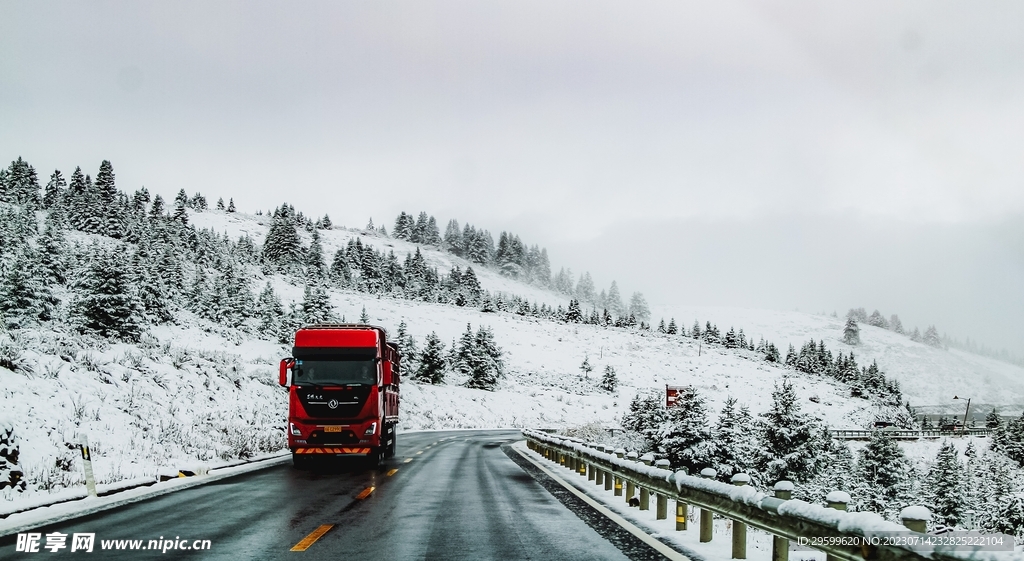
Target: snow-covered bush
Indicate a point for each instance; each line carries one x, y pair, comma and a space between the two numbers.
11, 474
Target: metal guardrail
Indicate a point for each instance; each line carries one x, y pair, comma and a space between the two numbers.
784, 518
899, 434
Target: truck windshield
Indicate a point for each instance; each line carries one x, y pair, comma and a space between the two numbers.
340, 370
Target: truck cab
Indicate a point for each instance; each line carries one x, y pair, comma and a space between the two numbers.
343, 393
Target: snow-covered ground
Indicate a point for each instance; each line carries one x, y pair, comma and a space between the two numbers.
195, 392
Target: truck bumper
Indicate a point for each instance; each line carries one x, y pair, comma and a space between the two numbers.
335, 450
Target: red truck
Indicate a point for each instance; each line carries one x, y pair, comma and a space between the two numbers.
342, 382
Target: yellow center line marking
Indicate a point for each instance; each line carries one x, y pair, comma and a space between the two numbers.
366, 493
392, 472
407, 460
312, 537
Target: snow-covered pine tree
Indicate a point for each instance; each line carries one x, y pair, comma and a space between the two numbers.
220, 203
586, 367
791, 439
406, 342
432, 363
364, 317
180, 207
944, 486
453, 238
672, 328
609, 380
585, 288
574, 315
340, 273
645, 416
915, 335
269, 312
883, 470
53, 196
153, 294
931, 337
53, 252
231, 205
316, 267
108, 304
614, 300
638, 307
282, 249
895, 324
878, 320
486, 364
685, 436
734, 441
993, 420
25, 296
851, 333
316, 306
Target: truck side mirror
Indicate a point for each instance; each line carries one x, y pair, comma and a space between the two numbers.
285, 377
387, 372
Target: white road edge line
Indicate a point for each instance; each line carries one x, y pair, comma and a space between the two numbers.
658, 546
62, 512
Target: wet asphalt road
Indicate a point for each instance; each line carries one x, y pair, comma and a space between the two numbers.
446, 495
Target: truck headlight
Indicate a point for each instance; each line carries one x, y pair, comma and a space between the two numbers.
371, 429
295, 430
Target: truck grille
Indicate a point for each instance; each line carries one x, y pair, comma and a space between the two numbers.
333, 403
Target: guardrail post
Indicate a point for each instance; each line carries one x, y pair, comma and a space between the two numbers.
645, 498
583, 467
916, 518
662, 512
598, 476
619, 453
706, 520
630, 486
838, 500
780, 546
682, 511
739, 529
90, 480
591, 472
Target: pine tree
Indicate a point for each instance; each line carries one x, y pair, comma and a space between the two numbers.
931, 337
792, 440
672, 329
231, 205
316, 267
485, 361
157, 210
109, 305
54, 194
180, 206
993, 420
586, 368
851, 333
220, 203
25, 297
638, 307
269, 312
326, 224
685, 436
883, 469
432, 362
895, 324
734, 445
364, 317
610, 380
585, 288
282, 248
614, 301
645, 418
53, 251
316, 306
944, 486
574, 315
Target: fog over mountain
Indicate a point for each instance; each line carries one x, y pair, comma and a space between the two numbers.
763, 154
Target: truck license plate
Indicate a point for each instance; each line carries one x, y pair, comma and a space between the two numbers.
332, 428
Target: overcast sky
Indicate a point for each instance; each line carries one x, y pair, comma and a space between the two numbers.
764, 154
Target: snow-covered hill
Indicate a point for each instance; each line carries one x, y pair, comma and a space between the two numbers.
193, 391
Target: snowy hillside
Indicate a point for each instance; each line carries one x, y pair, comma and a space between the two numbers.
193, 391
927, 375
